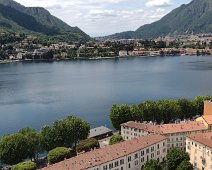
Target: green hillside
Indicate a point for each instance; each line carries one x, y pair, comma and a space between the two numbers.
17, 18
195, 17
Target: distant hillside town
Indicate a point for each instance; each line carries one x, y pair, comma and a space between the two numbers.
20, 47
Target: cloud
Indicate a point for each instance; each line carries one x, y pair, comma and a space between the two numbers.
103, 17
159, 3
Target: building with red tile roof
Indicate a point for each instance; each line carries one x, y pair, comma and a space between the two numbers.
175, 133
199, 147
123, 156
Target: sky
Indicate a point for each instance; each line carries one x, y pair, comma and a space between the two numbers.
105, 17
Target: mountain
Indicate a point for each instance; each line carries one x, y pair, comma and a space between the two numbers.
195, 17
15, 17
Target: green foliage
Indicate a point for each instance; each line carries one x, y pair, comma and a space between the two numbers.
87, 144
33, 140
185, 165
37, 21
116, 139
175, 157
57, 155
152, 165
13, 149
25, 166
67, 132
193, 17
120, 114
162, 111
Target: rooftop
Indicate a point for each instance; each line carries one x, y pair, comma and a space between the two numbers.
99, 131
168, 128
107, 154
203, 138
208, 119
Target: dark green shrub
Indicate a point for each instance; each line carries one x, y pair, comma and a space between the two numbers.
87, 144
57, 155
115, 139
25, 166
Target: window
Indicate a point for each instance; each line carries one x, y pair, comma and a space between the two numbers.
164, 150
136, 163
164, 143
116, 163
158, 152
129, 158
152, 149
129, 166
158, 146
122, 162
152, 155
122, 168
136, 156
142, 159
142, 153
147, 151
105, 167
111, 166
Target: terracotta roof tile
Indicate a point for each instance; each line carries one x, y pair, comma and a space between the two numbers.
203, 138
168, 128
208, 119
107, 154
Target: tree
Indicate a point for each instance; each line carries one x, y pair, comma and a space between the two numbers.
87, 144
120, 114
188, 108
80, 129
13, 149
58, 154
33, 140
175, 157
25, 166
152, 165
185, 165
47, 138
64, 133
116, 139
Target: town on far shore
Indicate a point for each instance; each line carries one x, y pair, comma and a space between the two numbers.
23, 47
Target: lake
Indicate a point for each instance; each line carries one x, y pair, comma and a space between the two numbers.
35, 94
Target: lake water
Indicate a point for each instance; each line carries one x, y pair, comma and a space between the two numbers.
34, 94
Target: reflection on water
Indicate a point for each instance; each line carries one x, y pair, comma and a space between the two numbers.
34, 94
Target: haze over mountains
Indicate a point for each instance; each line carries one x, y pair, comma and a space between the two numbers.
15, 17
195, 17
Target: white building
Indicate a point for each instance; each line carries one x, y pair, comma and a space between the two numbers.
176, 133
199, 147
128, 155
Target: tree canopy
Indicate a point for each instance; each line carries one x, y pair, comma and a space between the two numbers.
152, 165
175, 157
162, 111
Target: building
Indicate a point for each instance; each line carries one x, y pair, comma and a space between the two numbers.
100, 133
128, 155
176, 133
199, 147
206, 118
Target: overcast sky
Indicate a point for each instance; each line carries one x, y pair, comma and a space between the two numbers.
104, 17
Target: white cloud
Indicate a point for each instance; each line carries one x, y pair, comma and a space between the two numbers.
103, 17
159, 3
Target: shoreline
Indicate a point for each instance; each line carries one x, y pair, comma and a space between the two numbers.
88, 59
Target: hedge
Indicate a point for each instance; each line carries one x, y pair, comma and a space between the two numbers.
87, 144
25, 166
58, 154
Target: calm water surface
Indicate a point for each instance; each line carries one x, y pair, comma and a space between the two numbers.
34, 94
